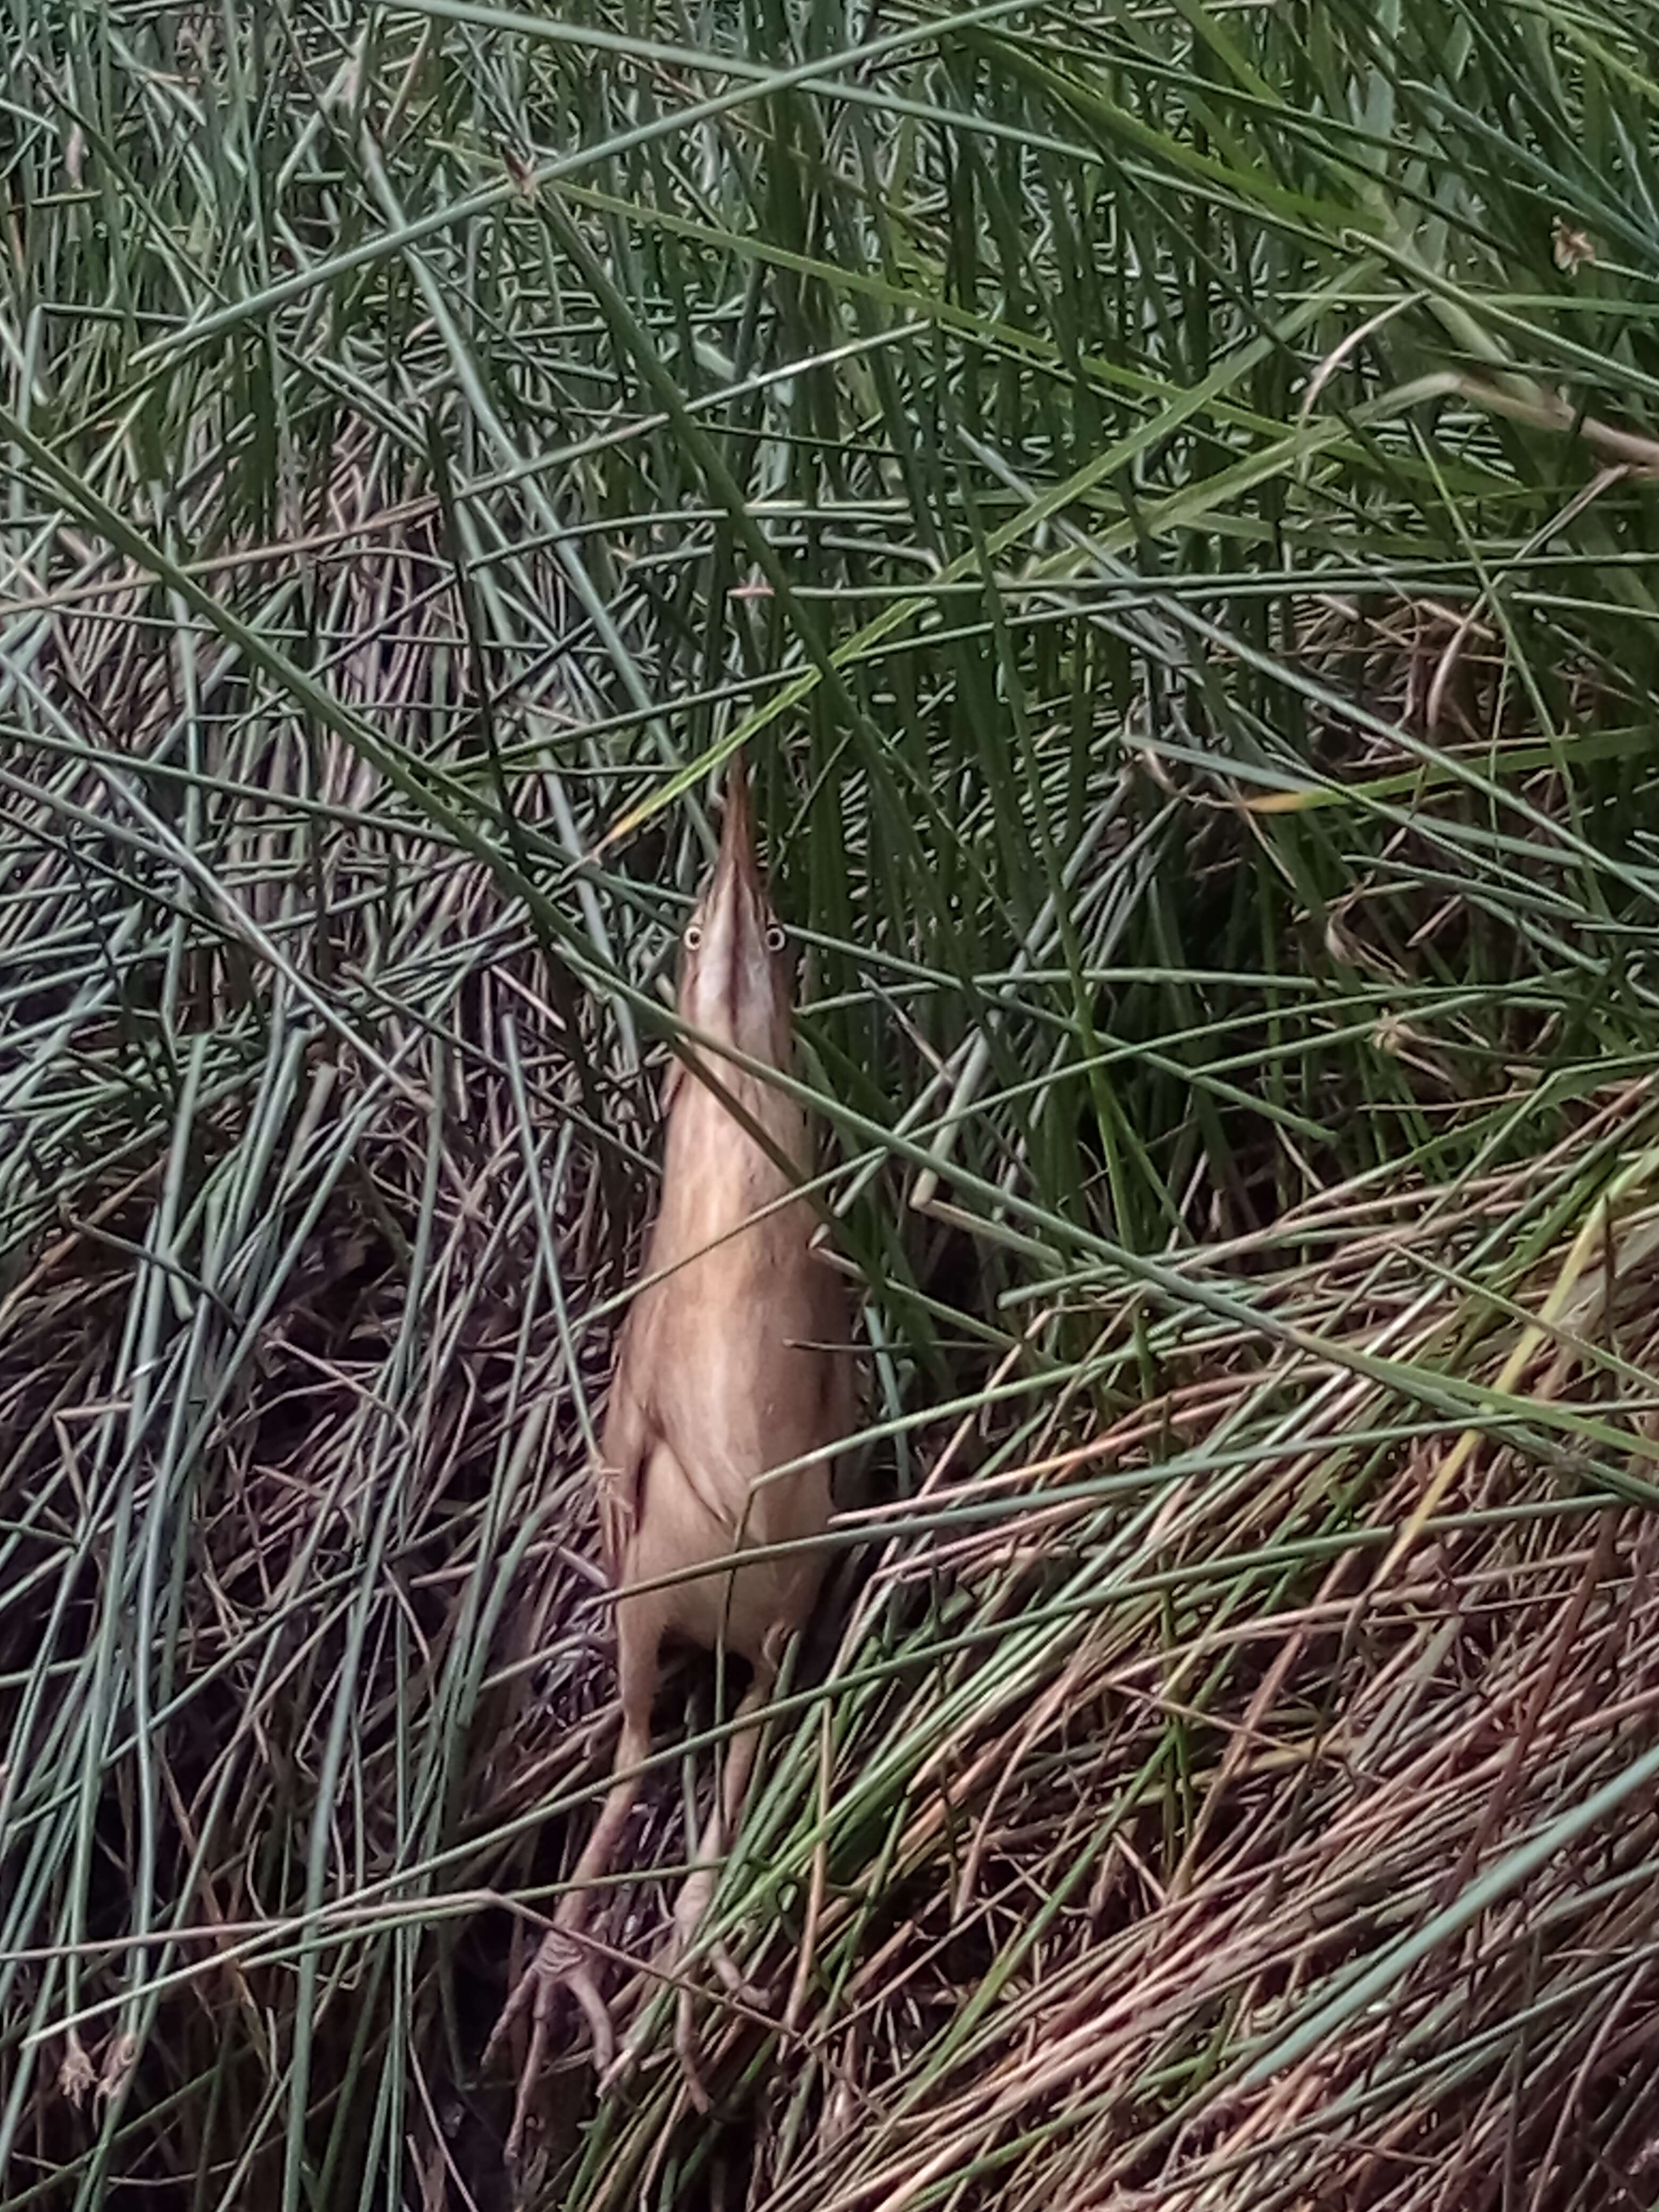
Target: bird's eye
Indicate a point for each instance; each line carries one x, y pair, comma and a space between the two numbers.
694, 937
776, 940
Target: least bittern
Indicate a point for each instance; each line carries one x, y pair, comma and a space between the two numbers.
732, 1365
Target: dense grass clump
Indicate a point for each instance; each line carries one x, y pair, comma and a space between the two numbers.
1166, 497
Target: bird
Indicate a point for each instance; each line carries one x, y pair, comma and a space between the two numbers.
734, 1361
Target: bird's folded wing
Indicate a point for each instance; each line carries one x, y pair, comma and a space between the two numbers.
619, 1477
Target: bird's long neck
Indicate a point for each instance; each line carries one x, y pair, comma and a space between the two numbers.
714, 1172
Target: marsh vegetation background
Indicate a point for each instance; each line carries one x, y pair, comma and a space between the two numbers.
1163, 494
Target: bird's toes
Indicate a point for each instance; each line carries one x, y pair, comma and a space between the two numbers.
685, 2050
697, 1895
582, 1985
620, 2068
743, 1992
560, 1963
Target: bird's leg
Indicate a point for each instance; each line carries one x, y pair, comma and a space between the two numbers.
561, 1960
698, 1889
